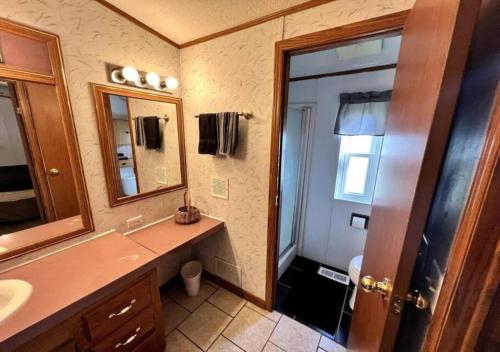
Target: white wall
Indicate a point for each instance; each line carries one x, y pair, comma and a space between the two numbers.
328, 238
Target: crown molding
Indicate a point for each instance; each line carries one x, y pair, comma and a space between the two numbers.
272, 16
137, 22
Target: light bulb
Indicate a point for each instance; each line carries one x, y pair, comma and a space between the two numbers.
140, 82
153, 79
117, 76
130, 73
171, 83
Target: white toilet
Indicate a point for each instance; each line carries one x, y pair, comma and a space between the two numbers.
354, 270
129, 184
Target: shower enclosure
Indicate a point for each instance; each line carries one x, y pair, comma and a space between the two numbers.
294, 156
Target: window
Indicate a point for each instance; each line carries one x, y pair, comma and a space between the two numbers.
357, 168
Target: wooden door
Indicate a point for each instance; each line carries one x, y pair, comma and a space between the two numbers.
46, 131
436, 38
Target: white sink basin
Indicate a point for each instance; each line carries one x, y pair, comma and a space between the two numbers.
13, 294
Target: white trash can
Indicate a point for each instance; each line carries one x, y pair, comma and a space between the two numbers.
191, 275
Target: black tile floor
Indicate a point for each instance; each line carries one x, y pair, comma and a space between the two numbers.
315, 300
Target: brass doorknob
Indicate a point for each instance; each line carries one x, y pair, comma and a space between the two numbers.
54, 172
369, 284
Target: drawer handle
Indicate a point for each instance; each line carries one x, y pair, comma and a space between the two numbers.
129, 340
123, 311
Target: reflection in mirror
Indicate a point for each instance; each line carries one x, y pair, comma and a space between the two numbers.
147, 144
30, 195
142, 142
19, 205
43, 195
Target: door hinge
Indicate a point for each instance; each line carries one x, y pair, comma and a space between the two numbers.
397, 305
19, 111
277, 200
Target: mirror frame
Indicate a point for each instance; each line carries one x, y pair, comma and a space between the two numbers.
107, 141
45, 235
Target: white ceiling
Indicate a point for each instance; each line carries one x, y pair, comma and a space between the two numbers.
328, 61
185, 20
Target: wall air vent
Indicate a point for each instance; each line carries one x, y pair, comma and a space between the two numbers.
220, 187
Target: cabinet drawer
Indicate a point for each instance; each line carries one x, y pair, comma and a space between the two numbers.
149, 344
69, 346
113, 313
127, 337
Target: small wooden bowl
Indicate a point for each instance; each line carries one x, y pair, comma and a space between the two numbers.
184, 217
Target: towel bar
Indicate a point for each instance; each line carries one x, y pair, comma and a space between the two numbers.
166, 118
246, 115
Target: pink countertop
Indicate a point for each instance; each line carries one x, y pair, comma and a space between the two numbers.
70, 280
73, 279
167, 235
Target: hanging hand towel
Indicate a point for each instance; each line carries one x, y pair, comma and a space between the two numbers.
139, 131
222, 133
227, 131
232, 134
208, 134
152, 132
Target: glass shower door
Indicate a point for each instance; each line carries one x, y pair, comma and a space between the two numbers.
292, 170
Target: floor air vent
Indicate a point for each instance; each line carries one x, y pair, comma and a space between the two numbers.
228, 271
333, 275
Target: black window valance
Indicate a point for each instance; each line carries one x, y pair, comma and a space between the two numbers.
363, 113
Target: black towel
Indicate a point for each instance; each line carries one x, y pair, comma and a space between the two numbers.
208, 134
152, 132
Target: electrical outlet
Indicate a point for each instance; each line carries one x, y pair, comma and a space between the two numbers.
134, 222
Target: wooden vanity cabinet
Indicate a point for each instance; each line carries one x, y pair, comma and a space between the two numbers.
128, 320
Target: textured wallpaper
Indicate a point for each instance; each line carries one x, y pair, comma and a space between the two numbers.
90, 36
235, 73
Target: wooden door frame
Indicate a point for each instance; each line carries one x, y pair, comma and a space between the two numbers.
330, 38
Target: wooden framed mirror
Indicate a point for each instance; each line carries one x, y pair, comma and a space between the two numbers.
43, 198
142, 142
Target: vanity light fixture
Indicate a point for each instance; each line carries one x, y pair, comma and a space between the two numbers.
153, 79
130, 76
130, 73
171, 83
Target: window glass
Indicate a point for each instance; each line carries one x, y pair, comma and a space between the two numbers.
358, 144
355, 179
357, 168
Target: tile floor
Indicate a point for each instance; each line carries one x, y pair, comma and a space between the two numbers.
218, 321
315, 300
